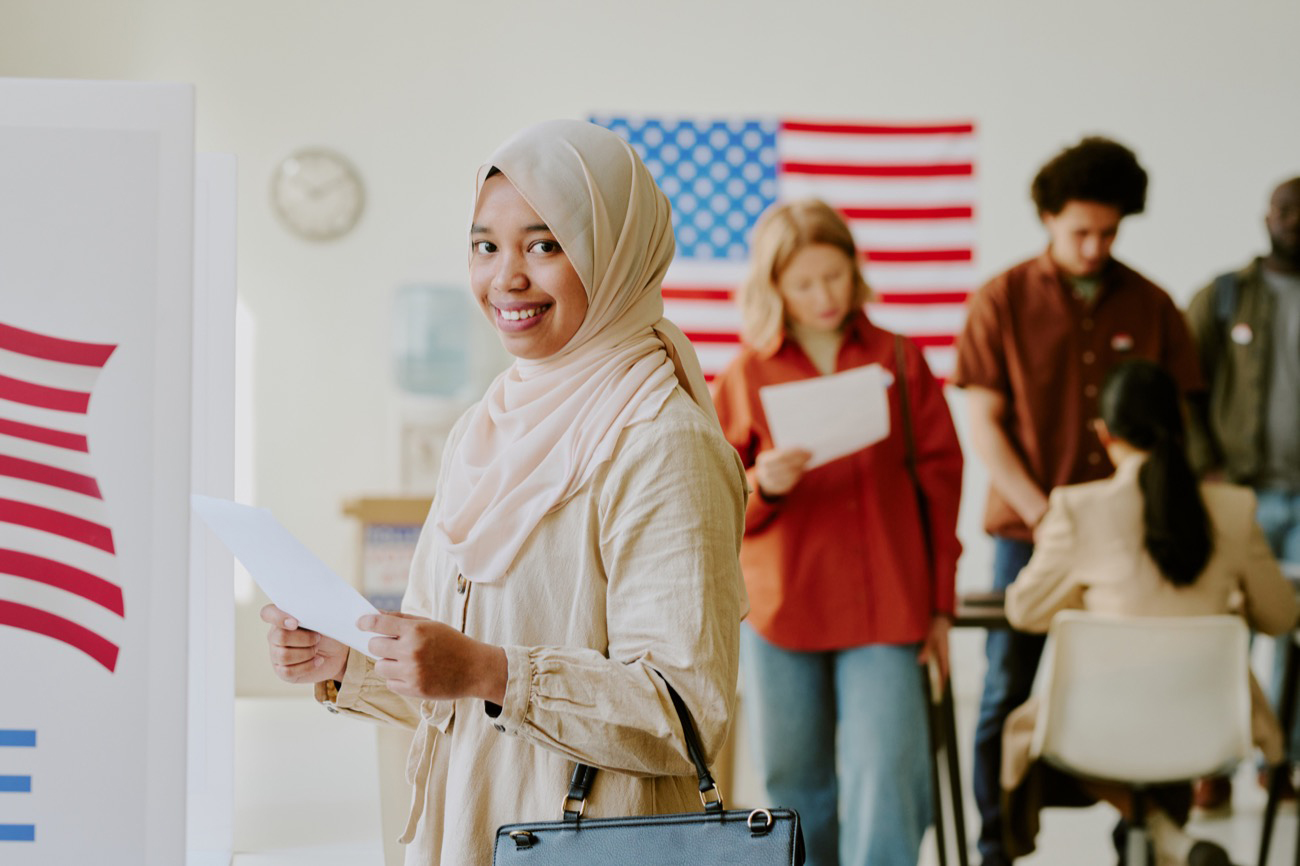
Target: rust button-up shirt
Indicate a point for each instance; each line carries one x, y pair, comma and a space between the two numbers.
1047, 352
840, 560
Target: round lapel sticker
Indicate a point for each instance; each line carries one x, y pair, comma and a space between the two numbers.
1241, 334
1121, 342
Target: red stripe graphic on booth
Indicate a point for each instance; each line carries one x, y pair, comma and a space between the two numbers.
53, 517
29, 470
53, 348
53, 626
44, 435
63, 576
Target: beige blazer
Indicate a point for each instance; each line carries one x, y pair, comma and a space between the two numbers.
634, 581
1089, 555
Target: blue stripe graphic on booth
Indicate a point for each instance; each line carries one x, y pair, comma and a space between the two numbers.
20, 739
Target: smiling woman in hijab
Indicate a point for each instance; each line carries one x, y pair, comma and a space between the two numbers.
582, 550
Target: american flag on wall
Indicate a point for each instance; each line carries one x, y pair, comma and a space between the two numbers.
907, 192
57, 558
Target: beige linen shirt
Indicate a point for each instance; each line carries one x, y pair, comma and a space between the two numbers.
1089, 554
634, 581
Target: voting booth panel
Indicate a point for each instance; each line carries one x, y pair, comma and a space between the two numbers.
96, 213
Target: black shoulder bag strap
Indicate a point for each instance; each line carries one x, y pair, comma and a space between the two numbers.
1226, 287
909, 454
583, 775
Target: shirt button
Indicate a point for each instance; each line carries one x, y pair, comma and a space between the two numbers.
460, 584
1089, 357
1094, 458
1090, 390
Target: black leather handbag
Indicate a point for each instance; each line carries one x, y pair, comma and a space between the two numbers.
758, 837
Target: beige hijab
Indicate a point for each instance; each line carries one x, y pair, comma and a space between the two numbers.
545, 426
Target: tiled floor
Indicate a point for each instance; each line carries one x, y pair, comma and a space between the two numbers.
307, 792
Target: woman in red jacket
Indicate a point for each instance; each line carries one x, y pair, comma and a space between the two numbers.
846, 596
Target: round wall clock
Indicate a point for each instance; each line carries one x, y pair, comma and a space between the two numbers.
317, 194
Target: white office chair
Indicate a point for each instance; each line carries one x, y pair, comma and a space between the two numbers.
1144, 701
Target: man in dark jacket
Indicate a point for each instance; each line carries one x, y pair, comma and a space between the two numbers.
1247, 329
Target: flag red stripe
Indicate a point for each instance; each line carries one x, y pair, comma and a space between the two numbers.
933, 340
65, 577
29, 470
44, 435
910, 256
57, 523
955, 169
57, 399
684, 293
945, 212
64, 630
922, 297
53, 348
712, 336
878, 128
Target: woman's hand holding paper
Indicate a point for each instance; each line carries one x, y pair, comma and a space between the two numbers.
780, 469
425, 659
300, 655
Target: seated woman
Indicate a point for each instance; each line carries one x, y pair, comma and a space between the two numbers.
1148, 541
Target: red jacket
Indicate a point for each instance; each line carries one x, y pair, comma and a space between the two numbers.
839, 561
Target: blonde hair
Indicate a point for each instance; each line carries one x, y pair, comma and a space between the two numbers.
782, 232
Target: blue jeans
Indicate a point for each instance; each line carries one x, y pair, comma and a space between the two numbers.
863, 797
1013, 661
1279, 516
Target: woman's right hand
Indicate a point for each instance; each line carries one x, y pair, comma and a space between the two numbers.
300, 655
780, 469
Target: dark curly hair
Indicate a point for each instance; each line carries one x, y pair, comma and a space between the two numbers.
1097, 170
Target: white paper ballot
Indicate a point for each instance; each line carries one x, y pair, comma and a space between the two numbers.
831, 416
290, 574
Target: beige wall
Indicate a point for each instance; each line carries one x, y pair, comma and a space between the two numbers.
416, 93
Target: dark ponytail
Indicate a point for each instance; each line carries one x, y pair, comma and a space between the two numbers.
1140, 404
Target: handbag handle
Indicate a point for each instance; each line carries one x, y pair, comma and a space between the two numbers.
584, 775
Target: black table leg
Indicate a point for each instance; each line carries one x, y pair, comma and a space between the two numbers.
936, 732
1287, 713
949, 713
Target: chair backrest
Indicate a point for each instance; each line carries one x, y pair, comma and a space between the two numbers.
1144, 700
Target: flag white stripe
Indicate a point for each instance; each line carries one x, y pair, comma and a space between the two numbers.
89, 559
927, 319
49, 374
870, 149
81, 611
702, 273
942, 360
913, 234
714, 357
65, 422
55, 498
703, 315
893, 277
878, 191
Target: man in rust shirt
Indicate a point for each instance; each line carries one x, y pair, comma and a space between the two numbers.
1038, 342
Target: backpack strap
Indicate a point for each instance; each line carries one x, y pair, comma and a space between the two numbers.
1227, 287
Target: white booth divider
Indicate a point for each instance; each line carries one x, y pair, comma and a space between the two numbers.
210, 833
96, 270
